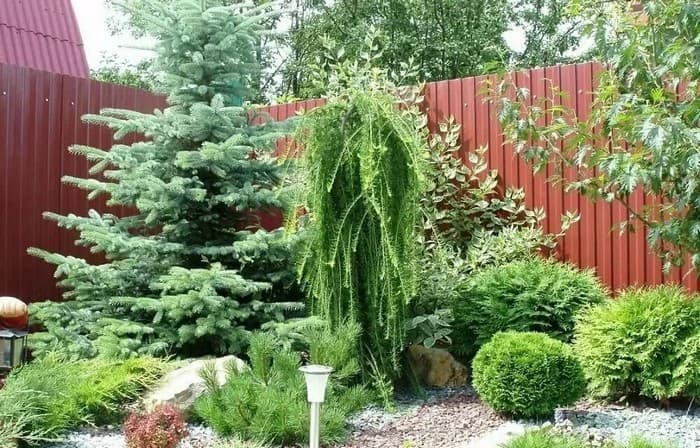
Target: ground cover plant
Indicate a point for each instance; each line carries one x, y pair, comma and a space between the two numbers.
527, 374
186, 268
644, 342
554, 439
268, 401
363, 168
45, 398
537, 294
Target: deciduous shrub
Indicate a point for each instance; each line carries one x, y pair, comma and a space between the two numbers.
645, 342
43, 399
527, 374
268, 401
162, 428
530, 295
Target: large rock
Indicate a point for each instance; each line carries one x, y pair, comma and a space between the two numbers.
181, 387
436, 367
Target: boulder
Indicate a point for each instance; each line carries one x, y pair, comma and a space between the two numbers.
181, 387
436, 367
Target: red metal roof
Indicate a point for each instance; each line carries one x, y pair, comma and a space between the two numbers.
42, 34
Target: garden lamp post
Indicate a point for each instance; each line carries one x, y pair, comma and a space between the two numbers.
12, 349
316, 381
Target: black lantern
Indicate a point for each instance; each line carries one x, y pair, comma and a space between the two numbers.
12, 349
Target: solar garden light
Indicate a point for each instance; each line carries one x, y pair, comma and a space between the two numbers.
316, 381
12, 349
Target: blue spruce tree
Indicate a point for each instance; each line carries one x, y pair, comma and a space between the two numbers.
187, 270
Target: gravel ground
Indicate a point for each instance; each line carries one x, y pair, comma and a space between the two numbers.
200, 437
608, 422
446, 419
453, 418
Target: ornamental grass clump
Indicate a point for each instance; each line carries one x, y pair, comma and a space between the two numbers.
527, 374
645, 342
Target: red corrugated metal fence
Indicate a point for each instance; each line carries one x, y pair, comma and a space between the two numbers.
40, 117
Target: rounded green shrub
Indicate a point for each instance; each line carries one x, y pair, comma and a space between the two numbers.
530, 295
645, 342
527, 374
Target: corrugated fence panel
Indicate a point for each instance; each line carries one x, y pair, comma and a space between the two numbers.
40, 117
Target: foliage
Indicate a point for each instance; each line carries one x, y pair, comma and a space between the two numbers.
187, 267
551, 33
45, 398
268, 401
530, 295
430, 329
641, 134
446, 38
554, 439
527, 374
545, 439
362, 157
134, 75
645, 342
164, 427
462, 199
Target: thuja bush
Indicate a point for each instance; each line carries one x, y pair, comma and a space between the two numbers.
527, 374
531, 295
43, 399
164, 427
644, 342
268, 400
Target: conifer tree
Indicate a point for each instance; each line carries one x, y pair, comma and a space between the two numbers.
187, 270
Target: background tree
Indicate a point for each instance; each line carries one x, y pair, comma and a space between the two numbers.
446, 38
552, 35
643, 132
189, 270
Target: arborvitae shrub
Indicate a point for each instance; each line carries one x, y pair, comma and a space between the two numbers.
162, 428
527, 374
530, 295
644, 342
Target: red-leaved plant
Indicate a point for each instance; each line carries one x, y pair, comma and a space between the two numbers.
162, 428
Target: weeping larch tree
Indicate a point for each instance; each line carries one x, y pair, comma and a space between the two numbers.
188, 270
362, 159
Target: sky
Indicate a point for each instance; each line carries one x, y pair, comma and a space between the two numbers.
93, 16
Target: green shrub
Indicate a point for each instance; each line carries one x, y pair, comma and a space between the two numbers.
268, 401
646, 342
47, 397
527, 374
531, 295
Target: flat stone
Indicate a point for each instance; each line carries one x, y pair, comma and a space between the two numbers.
182, 387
